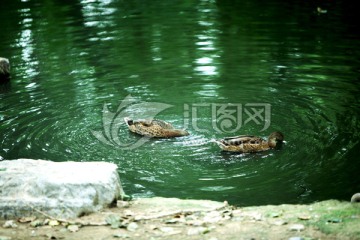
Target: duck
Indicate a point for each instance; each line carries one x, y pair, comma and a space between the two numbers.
154, 128
250, 143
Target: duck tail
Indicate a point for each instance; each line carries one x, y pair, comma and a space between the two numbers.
213, 140
218, 142
128, 121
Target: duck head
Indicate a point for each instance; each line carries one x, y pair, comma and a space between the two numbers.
275, 139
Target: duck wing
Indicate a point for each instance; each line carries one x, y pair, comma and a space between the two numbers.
154, 123
242, 140
162, 124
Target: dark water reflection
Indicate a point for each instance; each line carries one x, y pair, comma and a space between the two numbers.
69, 58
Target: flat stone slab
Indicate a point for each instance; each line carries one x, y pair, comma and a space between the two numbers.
60, 189
159, 205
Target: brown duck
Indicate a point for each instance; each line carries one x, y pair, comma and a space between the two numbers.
154, 128
250, 144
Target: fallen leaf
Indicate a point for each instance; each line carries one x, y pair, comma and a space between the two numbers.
279, 222
73, 228
120, 235
50, 236
5, 238
26, 219
166, 229
304, 217
36, 223
132, 227
65, 224
10, 224
175, 220
128, 213
275, 214
152, 227
113, 220
296, 238
53, 223
195, 222
122, 204
198, 230
297, 227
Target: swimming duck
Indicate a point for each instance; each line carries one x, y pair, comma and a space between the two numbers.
250, 144
154, 128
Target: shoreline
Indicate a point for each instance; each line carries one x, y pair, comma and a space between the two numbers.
67, 205
171, 218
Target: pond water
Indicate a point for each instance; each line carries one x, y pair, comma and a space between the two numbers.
217, 68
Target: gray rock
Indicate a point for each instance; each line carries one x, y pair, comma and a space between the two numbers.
132, 227
296, 238
355, 198
59, 189
10, 224
297, 227
5, 238
4, 68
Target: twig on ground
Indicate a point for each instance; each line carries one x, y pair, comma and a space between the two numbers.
70, 222
183, 212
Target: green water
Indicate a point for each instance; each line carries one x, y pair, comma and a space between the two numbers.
284, 59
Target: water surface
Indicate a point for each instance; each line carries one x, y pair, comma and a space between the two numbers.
72, 58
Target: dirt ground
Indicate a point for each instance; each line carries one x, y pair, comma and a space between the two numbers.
169, 218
